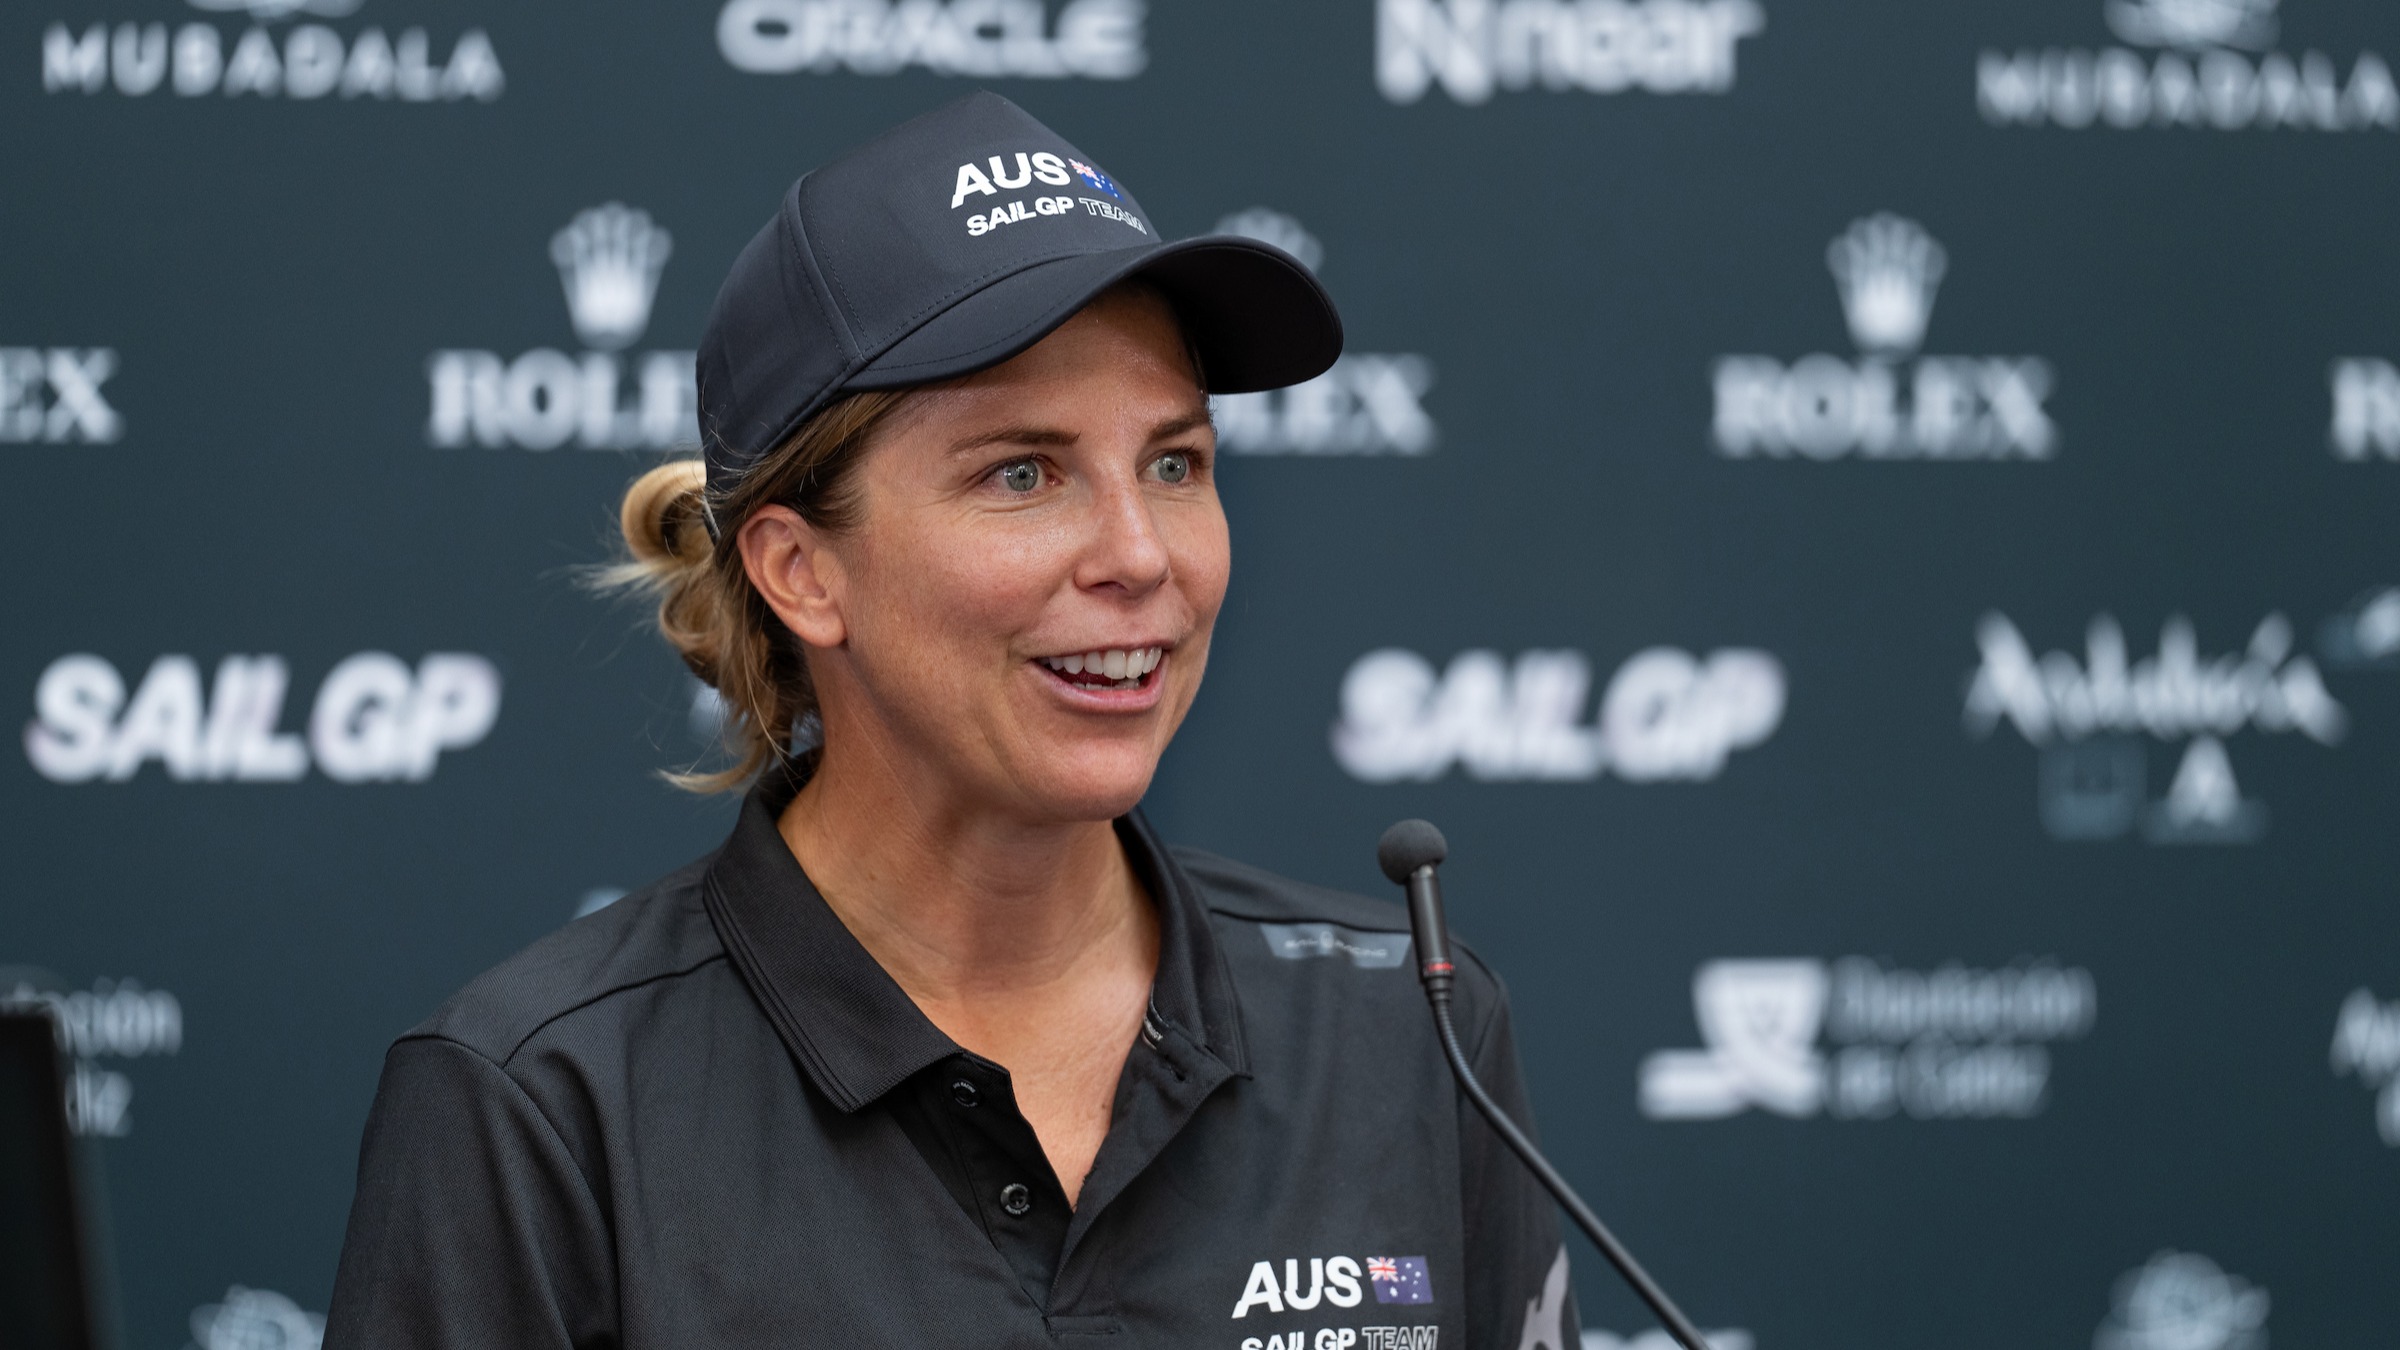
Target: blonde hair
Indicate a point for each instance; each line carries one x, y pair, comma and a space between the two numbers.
707, 609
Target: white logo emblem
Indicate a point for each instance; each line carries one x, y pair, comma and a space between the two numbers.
256, 1319
1887, 269
1949, 1044
1667, 715
54, 395
2194, 75
1472, 47
1760, 1019
1369, 403
374, 719
2194, 25
2366, 1042
2083, 716
1885, 405
1269, 226
2181, 1301
268, 11
609, 259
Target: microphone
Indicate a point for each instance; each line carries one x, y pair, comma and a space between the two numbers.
1408, 853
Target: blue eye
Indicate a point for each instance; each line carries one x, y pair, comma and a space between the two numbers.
1174, 468
1022, 476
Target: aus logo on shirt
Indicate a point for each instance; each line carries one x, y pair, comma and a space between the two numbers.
1335, 1281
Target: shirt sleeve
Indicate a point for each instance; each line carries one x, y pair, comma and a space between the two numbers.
1518, 1293
473, 1226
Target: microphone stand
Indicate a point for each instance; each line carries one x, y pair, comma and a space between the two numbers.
1409, 856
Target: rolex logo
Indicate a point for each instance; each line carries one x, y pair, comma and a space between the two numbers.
1888, 269
2194, 24
609, 258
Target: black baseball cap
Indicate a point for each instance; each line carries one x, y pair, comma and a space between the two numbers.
950, 244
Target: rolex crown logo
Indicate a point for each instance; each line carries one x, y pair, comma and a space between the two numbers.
609, 258
1888, 269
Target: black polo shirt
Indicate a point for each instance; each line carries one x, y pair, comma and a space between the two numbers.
706, 1117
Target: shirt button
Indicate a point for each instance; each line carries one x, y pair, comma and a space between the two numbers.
1016, 1199
964, 1093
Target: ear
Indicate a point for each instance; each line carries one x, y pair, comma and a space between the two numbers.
794, 570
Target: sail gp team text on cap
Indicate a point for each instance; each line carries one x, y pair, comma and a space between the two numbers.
952, 243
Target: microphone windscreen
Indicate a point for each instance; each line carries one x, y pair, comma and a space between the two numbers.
1408, 846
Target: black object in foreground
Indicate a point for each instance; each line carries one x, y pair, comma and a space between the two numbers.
1409, 852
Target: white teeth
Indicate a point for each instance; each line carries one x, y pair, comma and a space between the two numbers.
1073, 664
1115, 668
1123, 665
1150, 659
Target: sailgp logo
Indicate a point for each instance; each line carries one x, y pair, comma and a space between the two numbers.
2206, 76
2087, 717
609, 260
1889, 403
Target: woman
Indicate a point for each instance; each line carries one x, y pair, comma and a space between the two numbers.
944, 1047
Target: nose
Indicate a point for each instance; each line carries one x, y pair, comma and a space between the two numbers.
1125, 551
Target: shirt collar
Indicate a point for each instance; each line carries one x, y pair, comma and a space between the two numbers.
853, 1029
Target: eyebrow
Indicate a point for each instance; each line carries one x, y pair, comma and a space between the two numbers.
1030, 434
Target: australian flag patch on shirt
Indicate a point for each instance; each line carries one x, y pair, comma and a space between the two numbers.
1399, 1279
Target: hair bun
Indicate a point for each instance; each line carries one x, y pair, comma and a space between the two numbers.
664, 516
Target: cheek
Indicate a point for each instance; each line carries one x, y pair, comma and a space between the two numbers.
951, 590
1202, 553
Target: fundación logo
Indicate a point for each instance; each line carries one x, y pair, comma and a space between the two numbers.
2087, 719
1950, 1044
980, 39
1888, 403
1470, 48
2184, 1301
256, 1319
375, 719
2366, 1043
2204, 63
52, 395
609, 259
309, 60
1667, 715
1369, 403
114, 1019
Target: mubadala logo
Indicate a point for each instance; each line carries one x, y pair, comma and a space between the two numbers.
609, 259
2205, 76
114, 1019
2086, 719
2366, 1042
982, 39
2184, 1301
1667, 715
310, 61
1369, 403
1473, 47
1882, 405
256, 1319
52, 395
1949, 1044
375, 719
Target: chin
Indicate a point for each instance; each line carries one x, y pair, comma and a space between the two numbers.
1100, 784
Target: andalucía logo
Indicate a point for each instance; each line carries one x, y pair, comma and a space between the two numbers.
1369, 403
1887, 403
114, 1019
980, 39
1668, 715
2087, 719
1950, 1044
308, 60
609, 259
2208, 63
1472, 47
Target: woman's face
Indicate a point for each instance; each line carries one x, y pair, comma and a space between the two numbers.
1025, 600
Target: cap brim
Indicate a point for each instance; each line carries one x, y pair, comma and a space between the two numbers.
1257, 316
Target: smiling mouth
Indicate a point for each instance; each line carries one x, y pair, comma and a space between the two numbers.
1116, 668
